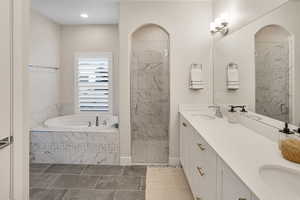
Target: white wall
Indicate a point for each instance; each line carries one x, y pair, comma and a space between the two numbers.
86, 38
239, 47
190, 41
242, 12
45, 41
45, 51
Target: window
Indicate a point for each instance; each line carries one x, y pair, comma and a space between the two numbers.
93, 81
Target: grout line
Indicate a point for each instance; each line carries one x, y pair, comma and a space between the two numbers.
55, 179
97, 181
86, 166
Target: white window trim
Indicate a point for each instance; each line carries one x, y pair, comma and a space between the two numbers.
110, 72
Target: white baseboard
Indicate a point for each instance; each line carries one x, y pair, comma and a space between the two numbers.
174, 161
126, 160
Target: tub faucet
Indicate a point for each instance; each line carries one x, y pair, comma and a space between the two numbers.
218, 114
97, 121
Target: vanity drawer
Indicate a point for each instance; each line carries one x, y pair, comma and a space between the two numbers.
201, 146
203, 169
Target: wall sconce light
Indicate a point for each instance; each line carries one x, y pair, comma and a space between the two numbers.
220, 25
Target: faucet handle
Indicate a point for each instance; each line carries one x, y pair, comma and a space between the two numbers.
232, 108
297, 130
286, 129
243, 108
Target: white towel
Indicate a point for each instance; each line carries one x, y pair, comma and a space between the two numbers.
196, 77
233, 81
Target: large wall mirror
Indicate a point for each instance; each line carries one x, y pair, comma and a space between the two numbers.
272, 67
267, 53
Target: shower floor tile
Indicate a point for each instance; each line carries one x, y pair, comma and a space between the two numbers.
75, 181
38, 168
47, 194
89, 195
65, 169
130, 195
103, 170
119, 183
135, 171
87, 182
42, 180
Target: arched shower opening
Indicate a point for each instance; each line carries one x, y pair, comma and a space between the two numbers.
273, 73
150, 96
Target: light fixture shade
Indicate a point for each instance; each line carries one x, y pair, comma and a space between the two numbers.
212, 27
84, 15
220, 24
224, 19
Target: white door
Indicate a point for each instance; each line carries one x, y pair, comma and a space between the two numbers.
5, 99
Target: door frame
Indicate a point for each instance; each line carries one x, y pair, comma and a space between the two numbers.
20, 148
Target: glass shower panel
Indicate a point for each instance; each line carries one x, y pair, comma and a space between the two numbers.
150, 95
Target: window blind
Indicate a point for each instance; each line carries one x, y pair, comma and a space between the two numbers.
94, 84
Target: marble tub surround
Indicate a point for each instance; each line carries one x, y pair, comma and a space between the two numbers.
87, 182
245, 151
150, 95
71, 147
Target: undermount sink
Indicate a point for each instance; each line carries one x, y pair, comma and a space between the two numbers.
282, 181
203, 116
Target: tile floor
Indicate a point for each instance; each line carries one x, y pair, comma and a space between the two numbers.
87, 182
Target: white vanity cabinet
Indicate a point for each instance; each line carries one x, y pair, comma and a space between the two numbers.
198, 161
185, 137
203, 165
230, 187
208, 176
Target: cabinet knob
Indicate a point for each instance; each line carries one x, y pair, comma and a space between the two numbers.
201, 147
200, 170
242, 199
184, 124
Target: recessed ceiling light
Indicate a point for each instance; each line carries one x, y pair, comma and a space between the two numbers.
84, 15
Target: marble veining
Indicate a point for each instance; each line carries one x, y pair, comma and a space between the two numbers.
150, 95
272, 79
75, 147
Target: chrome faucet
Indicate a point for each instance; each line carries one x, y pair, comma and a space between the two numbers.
218, 114
97, 120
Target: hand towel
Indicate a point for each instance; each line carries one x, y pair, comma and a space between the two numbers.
233, 81
196, 77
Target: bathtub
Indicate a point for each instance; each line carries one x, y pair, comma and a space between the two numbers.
74, 139
82, 121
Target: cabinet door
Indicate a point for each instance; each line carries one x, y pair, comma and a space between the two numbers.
203, 167
185, 134
232, 187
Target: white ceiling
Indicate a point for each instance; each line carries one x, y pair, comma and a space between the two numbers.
68, 11
99, 11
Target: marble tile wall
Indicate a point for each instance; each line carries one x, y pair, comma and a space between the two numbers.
272, 79
150, 95
75, 147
